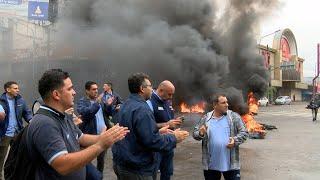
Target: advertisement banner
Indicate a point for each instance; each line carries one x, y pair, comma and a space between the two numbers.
38, 10
11, 2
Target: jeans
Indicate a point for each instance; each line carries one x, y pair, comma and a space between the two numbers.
92, 173
216, 175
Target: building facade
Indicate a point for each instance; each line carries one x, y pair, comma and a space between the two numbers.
282, 60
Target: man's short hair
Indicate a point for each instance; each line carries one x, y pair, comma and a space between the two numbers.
135, 81
215, 98
51, 80
109, 84
88, 85
8, 85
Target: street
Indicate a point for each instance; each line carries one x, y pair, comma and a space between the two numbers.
292, 152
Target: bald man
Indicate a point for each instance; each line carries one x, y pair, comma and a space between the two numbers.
160, 104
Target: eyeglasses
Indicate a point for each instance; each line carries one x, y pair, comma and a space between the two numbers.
147, 85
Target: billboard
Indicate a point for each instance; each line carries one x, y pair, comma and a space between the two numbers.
12, 2
20, 9
38, 10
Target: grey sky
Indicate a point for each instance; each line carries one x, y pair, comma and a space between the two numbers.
302, 17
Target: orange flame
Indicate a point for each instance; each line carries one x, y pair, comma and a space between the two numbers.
252, 125
198, 108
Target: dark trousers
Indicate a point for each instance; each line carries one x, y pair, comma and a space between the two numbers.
314, 114
4, 145
165, 165
216, 175
123, 174
100, 161
92, 173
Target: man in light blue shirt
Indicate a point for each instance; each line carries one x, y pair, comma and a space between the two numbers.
13, 125
221, 132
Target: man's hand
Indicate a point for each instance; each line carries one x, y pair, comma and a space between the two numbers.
165, 130
174, 123
231, 143
118, 107
202, 130
111, 136
69, 111
2, 116
180, 135
109, 101
77, 120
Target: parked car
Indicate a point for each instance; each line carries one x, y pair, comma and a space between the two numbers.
283, 100
263, 101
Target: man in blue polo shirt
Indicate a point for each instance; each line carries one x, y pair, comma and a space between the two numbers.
15, 109
160, 104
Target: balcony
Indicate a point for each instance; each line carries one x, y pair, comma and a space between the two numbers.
291, 75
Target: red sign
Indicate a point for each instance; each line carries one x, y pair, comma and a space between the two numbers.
285, 48
266, 55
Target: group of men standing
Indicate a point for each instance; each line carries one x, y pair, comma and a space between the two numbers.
142, 131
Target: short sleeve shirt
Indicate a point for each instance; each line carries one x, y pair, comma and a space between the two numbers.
51, 138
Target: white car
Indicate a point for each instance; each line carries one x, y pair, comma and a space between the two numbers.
283, 100
263, 101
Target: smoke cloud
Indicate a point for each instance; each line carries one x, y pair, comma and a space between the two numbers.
185, 41
180, 40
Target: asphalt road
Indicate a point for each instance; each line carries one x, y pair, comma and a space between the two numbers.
292, 152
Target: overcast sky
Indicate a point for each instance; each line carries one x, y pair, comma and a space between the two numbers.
303, 18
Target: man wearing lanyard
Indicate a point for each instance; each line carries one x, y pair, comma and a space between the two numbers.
160, 104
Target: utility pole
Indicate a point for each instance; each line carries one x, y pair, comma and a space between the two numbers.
48, 45
314, 83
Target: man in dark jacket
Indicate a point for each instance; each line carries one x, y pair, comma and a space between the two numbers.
135, 157
116, 99
164, 116
95, 115
314, 106
15, 109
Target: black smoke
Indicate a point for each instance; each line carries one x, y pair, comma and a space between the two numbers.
185, 41
200, 46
